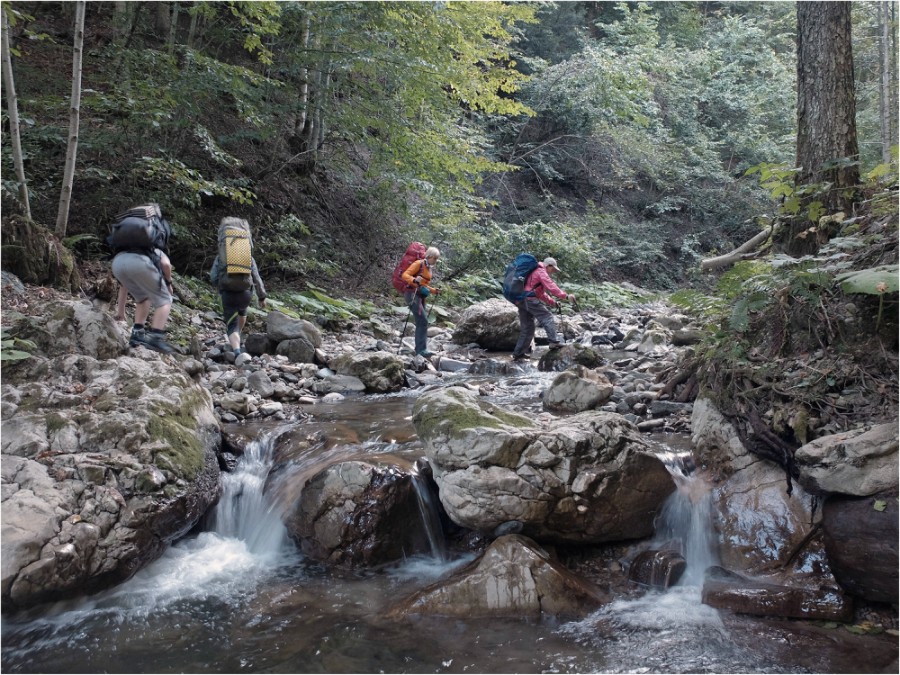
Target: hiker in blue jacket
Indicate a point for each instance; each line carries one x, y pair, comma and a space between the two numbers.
534, 308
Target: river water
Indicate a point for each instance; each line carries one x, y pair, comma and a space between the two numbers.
236, 596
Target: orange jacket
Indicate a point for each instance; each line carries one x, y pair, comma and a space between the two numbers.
420, 268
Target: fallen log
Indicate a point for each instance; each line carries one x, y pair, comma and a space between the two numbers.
740, 253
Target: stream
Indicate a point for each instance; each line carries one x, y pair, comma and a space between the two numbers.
237, 596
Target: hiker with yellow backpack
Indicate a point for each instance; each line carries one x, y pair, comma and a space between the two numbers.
235, 275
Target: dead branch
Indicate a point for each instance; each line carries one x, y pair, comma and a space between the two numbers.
739, 253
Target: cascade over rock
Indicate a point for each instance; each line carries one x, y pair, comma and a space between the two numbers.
588, 478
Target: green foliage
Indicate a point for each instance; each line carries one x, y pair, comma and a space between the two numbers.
314, 302
13, 348
172, 177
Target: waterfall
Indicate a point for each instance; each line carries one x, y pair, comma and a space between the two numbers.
244, 511
429, 511
686, 524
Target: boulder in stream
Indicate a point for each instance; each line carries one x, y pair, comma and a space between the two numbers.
589, 478
514, 578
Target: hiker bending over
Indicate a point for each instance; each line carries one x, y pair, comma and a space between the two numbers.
418, 275
534, 308
145, 272
235, 274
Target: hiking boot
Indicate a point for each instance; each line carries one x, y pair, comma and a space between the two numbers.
137, 337
556, 345
156, 342
520, 357
425, 353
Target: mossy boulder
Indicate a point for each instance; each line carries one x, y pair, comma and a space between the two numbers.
104, 463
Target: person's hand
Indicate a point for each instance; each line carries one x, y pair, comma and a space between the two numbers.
262, 303
435, 291
570, 297
419, 280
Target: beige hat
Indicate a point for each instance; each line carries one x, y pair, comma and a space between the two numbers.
551, 262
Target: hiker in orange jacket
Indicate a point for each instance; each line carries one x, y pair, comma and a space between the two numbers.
534, 308
418, 275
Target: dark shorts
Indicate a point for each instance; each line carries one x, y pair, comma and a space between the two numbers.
234, 304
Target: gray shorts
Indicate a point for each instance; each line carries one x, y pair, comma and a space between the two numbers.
137, 273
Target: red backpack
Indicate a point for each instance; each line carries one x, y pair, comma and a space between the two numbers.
415, 251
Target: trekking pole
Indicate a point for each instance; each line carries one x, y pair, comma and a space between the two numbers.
403, 334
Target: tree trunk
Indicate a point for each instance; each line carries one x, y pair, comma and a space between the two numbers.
65, 197
173, 29
303, 94
827, 150
13, 111
888, 94
826, 99
121, 19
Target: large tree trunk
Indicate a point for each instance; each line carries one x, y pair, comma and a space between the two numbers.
65, 197
13, 111
888, 90
826, 111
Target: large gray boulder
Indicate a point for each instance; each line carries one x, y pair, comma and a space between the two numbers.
857, 463
280, 327
492, 324
577, 389
589, 478
103, 464
380, 372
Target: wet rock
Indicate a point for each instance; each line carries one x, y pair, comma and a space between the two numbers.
357, 514
96, 487
762, 599
861, 538
657, 569
513, 578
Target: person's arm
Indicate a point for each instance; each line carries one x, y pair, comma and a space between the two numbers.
166, 266
258, 284
215, 272
411, 275
120, 303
